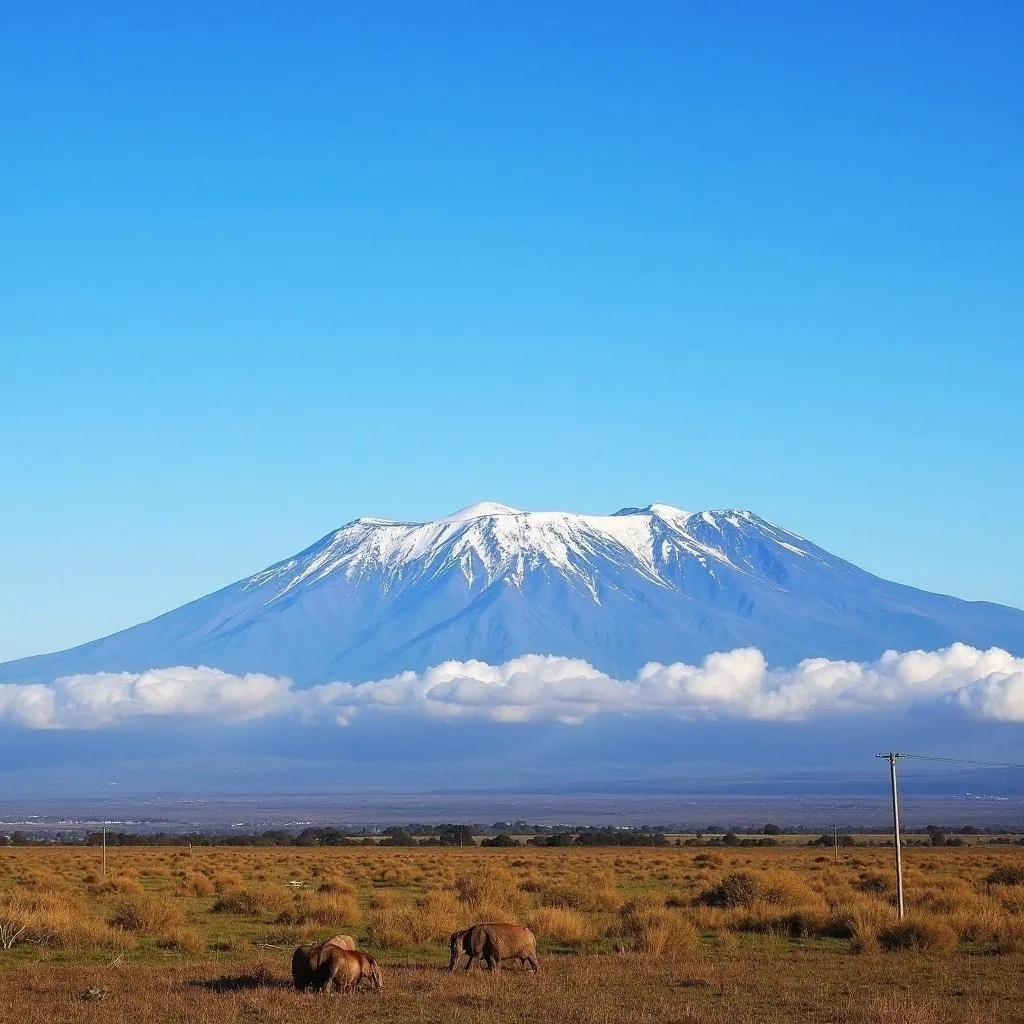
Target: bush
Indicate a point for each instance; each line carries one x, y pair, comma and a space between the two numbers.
801, 923
652, 928
500, 841
251, 901
198, 884
1006, 874
48, 919
742, 889
182, 940
147, 914
563, 925
736, 890
872, 883
432, 918
328, 909
920, 934
601, 894
493, 886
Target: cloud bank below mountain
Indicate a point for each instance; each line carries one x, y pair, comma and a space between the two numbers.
981, 685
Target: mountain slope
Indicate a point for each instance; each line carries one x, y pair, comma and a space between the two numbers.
490, 582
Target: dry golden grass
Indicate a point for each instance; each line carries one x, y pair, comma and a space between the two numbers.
147, 914
804, 987
920, 934
252, 901
652, 928
567, 927
680, 935
331, 909
55, 920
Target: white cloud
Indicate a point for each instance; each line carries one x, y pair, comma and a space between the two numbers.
735, 684
109, 698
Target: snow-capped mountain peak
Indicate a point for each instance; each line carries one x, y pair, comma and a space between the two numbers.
491, 582
490, 543
479, 510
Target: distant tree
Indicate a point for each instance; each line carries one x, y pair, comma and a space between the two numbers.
457, 835
399, 837
771, 830
731, 839
500, 840
561, 839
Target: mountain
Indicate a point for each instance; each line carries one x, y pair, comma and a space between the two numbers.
491, 582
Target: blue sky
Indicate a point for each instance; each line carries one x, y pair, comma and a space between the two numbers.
270, 267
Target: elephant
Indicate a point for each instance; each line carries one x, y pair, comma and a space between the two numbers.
494, 943
329, 963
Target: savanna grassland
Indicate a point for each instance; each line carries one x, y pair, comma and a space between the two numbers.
685, 935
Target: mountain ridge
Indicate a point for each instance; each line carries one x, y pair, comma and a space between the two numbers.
491, 582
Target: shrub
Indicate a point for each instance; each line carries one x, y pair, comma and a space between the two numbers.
742, 889
251, 901
561, 924
652, 928
198, 884
490, 886
596, 896
920, 934
329, 909
332, 884
860, 922
872, 883
736, 890
981, 923
147, 914
48, 919
120, 884
1006, 874
500, 840
801, 923
182, 940
432, 918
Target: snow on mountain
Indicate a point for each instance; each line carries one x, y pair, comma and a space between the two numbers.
492, 582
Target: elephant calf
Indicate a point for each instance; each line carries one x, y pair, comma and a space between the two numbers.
494, 943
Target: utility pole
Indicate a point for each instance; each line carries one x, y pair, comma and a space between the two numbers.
892, 757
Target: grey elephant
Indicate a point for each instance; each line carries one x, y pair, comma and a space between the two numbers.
493, 943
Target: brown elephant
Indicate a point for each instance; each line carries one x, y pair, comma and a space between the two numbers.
328, 963
494, 943
345, 968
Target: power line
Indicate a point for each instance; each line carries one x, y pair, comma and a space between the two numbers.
961, 760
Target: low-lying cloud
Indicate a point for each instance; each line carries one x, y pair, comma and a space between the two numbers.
987, 685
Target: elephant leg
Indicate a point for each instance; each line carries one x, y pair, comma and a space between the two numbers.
330, 982
532, 961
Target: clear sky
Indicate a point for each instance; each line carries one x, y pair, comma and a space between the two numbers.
267, 267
